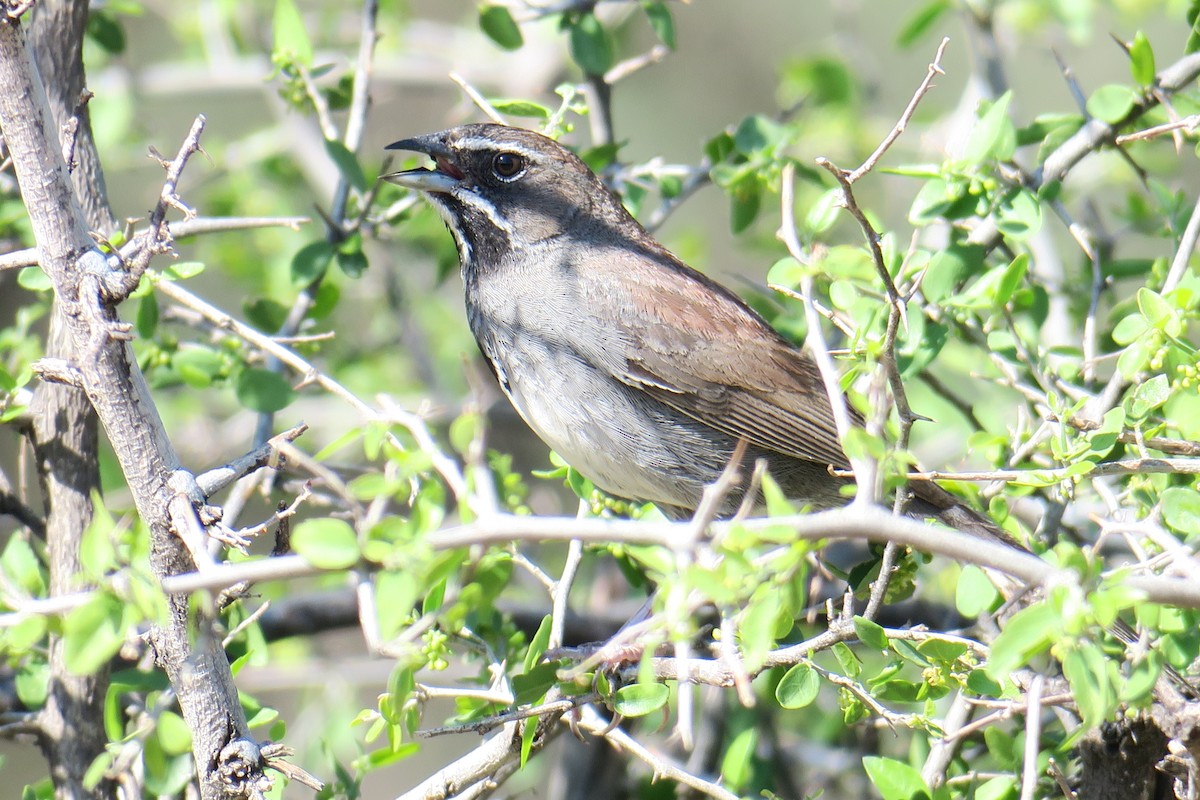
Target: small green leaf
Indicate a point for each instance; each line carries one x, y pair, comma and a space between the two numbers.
1141, 60
173, 734
1086, 671
539, 643
660, 20
1149, 396
591, 46
1158, 312
1111, 103
350, 257
105, 30
521, 108
896, 780
758, 133
922, 21
197, 366
32, 683
847, 660
737, 765
33, 279
1029, 632
498, 23
347, 164
182, 270
291, 39
975, 593
147, 316
746, 199
264, 313
993, 137
870, 633
1181, 509
640, 699
264, 391
311, 262
93, 633
326, 543
798, 687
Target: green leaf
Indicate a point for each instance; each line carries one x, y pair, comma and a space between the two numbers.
1141, 60
1029, 632
896, 780
1019, 214
264, 313
660, 20
350, 256
870, 633
326, 543
847, 660
263, 391
33, 279
32, 683
640, 699
1002, 788
22, 565
182, 270
173, 734
1181, 509
922, 21
291, 39
197, 365
498, 23
993, 136
1149, 396
311, 262
591, 46
539, 643
93, 633
975, 593
105, 30
1158, 312
1086, 671
521, 108
1111, 103
757, 134
737, 765
746, 199
1011, 278
531, 686
347, 164
756, 628
147, 316
798, 687
528, 735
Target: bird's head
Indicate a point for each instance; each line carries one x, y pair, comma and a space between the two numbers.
502, 189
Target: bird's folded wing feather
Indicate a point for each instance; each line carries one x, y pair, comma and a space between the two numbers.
694, 346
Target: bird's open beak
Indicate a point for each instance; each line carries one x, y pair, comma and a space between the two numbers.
443, 178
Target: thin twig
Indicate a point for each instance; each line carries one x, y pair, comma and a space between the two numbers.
935, 69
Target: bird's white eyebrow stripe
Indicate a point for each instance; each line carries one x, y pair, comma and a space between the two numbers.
483, 143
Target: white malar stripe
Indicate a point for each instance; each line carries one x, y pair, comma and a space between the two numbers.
468, 196
464, 247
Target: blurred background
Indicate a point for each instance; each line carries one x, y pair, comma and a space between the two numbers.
847, 68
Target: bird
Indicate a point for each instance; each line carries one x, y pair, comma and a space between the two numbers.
640, 372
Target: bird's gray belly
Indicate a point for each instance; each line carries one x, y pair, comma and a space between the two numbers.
621, 440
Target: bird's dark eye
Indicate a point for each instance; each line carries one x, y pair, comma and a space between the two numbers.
508, 165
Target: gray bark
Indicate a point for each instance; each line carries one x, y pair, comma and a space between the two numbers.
102, 363
64, 425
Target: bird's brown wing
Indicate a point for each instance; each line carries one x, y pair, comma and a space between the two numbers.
696, 347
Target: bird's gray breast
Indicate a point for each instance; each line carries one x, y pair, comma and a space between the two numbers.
552, 358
